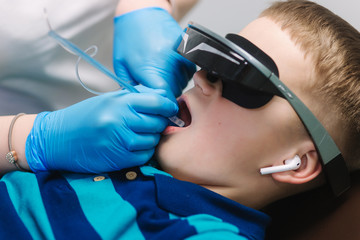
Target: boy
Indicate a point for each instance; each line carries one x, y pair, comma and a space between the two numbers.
222, 149
273, 132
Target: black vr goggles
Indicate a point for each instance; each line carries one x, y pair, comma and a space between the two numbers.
250, 79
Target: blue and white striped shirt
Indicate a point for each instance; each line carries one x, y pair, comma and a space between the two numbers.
137, 203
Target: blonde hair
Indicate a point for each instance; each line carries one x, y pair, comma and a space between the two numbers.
334, 48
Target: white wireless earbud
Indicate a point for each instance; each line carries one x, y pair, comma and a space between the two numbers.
290, 164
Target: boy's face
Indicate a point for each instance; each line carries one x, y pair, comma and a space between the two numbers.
225, 145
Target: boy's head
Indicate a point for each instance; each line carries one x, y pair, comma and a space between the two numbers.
333, 47
225, 145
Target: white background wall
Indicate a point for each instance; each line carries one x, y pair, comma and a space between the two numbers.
224, 16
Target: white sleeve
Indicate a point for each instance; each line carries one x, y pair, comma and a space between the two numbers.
31, 63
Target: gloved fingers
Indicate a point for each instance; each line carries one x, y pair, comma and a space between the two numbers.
145, 123
142, 142
136, 158
144, 89
121, 161
173, 80
124, 96
187, 69
190, 68
157, 78
154, 104
178, 72
123, 73
172, 75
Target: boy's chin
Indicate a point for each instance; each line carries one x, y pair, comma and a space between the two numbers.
160, 150
157, 157
162, 159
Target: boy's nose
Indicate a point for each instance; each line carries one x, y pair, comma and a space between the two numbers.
208, 86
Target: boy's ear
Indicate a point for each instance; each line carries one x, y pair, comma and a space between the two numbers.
309, 169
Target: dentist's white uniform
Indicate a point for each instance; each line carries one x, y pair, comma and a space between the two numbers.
35, 73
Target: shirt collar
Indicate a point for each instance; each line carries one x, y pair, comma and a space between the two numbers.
185, 198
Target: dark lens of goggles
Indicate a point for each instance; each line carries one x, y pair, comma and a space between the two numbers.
222, 63
237, 92
212, 77
244, 96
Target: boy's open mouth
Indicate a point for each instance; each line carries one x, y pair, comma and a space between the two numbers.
184, 113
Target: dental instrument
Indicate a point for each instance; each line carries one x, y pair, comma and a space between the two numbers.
73, 49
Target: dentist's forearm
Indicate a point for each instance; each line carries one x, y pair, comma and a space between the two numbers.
178, 8
21, 130
126, 6
182, 7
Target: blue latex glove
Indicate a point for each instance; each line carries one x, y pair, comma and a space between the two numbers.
105, 133
145, 43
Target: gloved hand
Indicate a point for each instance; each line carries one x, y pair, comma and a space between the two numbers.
145, 51
105, 133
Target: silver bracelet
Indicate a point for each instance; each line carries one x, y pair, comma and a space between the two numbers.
11, 156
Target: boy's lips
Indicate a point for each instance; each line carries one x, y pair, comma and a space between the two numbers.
184, 114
